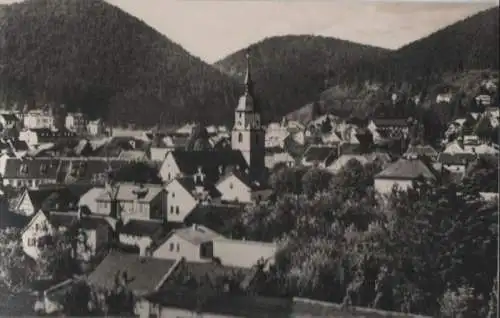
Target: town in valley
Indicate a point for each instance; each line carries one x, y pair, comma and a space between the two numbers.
379, 203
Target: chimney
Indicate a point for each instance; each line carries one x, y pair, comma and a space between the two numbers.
80, 213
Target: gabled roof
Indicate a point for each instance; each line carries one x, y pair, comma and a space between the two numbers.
190, 186
9, 117
143, 273
131, 192
408, 169
319, 153
209, 160
422, 150
197, 234
245, 178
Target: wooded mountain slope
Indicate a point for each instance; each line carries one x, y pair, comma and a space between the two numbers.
292, 70
92, 55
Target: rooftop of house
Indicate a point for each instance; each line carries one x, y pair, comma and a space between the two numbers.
86, 222
9, 117
210, 161
145, 228
245, 178
132, 155
197, 234
143, 273
422, 150
319, 153
390, 122
190, 185
409, 169
132, 192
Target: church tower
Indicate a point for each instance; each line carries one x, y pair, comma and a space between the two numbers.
248, 133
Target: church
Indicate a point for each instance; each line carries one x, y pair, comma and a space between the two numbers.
246, 155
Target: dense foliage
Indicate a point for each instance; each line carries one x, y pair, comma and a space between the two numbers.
431, 249
116, 66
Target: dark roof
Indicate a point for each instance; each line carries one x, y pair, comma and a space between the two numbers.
209, 161
62, 170
216, 216
35, 168
458, 159
409, 169
10, 117
49, 133
390, 122
67, 196
144, 273
150, 228
68, 219
422, 150
189, 184
320, 153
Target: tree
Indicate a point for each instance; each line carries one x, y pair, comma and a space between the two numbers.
16, 268
326, 125
286, 180
315, 180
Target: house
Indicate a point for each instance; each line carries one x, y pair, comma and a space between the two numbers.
238, 186
243, 253
62, 198
8, 121
383, 129
37, 234
38, 118
141, 233
143, 275
30, 173
134, 202
179, 163
95, 127
483, 99
132, 155
403, 172
278, 155
185, 194
319, 155
36, 136
470, 145
275, 135
89, 199
331, 138
444, 98
193, 243
76, 122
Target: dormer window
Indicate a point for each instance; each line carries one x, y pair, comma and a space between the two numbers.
24, 168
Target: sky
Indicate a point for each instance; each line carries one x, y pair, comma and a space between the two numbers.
213, 29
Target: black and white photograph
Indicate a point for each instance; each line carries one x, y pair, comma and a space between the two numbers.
244, 158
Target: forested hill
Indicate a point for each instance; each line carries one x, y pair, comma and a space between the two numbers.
469, 44
91, 55
292, 70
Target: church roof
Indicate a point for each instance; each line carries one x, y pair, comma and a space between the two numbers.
247, 101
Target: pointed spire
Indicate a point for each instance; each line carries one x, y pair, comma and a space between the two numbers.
248, 77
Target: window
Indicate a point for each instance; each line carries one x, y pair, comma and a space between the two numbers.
171, 247
171, 210
173, 194
231, 185
31, 241
169, 176
178, 247
177, 210
37, 226
240, 137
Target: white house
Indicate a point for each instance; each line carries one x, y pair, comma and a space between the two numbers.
134, 202
185, 194
38, 118
243, 253
275, 156
402, 173
76, 122
444, 98
238, 186
193, 243
95, 127
96, 232
89, 199
483, 99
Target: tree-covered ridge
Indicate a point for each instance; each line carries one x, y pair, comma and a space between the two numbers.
93, 56
290, 71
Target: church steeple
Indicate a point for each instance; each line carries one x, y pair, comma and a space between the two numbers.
248, 76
